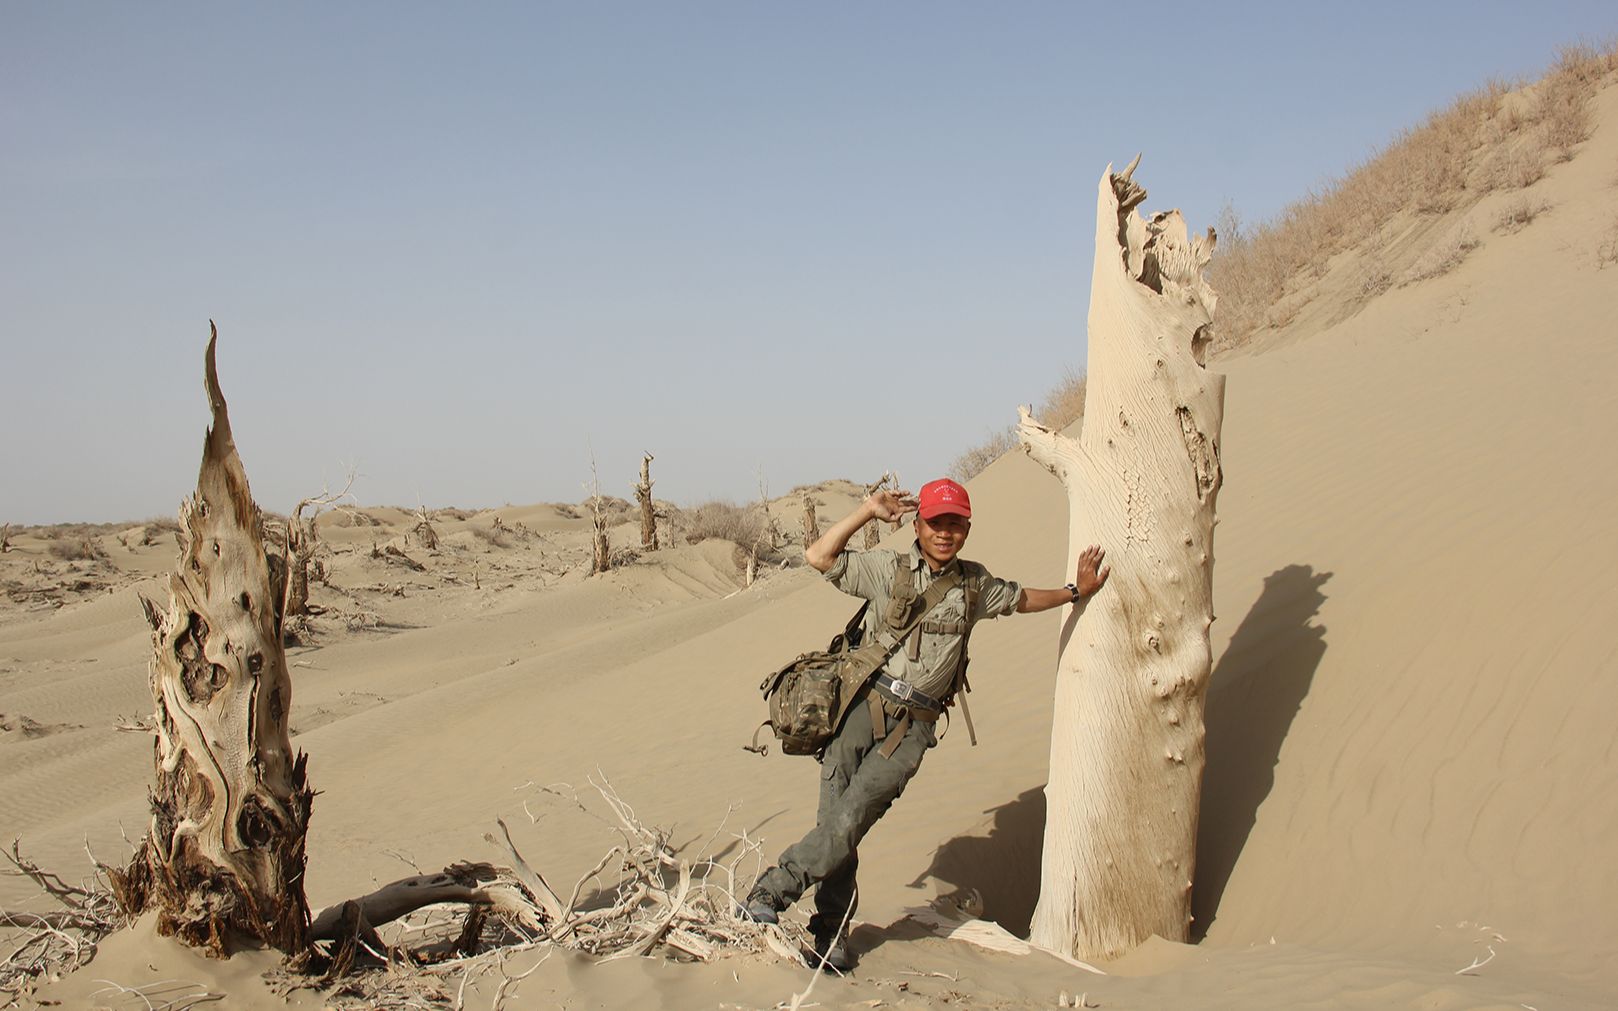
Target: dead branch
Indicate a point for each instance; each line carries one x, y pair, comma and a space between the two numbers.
56, 942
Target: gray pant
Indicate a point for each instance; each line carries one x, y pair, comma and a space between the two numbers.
857, 786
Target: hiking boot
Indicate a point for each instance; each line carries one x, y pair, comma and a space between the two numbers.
761, 907
833, 949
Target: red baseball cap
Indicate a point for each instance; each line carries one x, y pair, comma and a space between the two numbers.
943, 496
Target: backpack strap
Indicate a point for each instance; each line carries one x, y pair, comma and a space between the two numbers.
961, 687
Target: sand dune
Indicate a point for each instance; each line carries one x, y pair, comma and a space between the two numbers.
1411, 755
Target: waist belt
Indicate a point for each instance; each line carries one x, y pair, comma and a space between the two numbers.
905, 695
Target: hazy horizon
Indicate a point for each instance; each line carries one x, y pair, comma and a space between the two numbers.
460, 249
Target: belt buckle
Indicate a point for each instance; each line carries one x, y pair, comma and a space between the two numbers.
902, 690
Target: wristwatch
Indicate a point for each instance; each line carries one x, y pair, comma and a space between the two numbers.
1069, 587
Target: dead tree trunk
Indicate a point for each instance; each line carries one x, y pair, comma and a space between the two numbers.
600, 548
1127, 741
424, 530
643, 495
873, 528
223, 860
301, 542
811, 522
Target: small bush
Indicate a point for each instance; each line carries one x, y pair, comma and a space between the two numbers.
1374, 280
1444, 257
495, 536
1516, 169
1519, 214
1607, 251
1061, 407
975, 460
744, 525
78, 549
156, 530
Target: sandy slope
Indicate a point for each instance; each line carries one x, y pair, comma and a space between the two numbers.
1411, 754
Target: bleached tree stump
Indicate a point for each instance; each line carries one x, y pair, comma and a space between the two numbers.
811, 521
1127, 741
223, 860
643, 495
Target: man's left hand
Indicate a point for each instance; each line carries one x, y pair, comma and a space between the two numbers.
1092, 574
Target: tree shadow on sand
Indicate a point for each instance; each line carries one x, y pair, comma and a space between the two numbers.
1255, 691
1257, 687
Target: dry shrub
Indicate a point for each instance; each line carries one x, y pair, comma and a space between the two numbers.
744, 525
1061, 407
1519, 214
77, 549
155, 530
1424, 170
1444, 256
1516, 169
1374, 280
1563, 100
1607, 251
975, 460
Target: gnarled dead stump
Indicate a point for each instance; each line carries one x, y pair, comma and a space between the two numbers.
223, 861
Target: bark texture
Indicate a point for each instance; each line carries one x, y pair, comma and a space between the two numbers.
1142, 477
222, 864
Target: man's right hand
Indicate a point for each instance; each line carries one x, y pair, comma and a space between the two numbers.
890, 505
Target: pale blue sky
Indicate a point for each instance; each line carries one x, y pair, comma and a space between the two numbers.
460, 244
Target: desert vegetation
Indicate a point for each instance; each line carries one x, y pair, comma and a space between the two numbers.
1062, 406
1503, 136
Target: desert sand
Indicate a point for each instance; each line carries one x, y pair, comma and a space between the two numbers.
1411, 762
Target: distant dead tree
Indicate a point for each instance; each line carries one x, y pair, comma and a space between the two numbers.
424, 530
772, 529
222, 863
873, 528
643, 495
1142, 477
601, 550
302, 538
811, 522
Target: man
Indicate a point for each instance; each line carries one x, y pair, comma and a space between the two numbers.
892, 723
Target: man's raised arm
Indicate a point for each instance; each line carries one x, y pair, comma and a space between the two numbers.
882, 505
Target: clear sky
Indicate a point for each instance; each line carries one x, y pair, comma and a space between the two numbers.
460, 245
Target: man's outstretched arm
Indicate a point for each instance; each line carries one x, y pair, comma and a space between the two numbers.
1092, 576
882, 505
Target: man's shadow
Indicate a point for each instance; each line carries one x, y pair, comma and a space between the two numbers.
1255, 690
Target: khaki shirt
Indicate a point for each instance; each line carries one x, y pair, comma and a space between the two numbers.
869, 574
